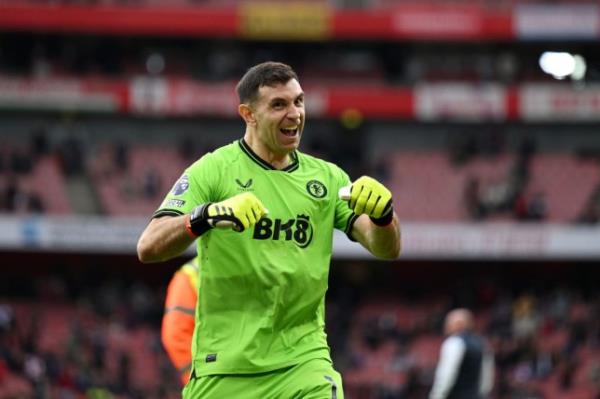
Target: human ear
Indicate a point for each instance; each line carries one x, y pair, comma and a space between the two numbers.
247, 114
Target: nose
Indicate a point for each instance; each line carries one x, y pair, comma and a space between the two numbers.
294, 113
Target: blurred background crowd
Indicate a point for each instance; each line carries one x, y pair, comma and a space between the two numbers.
95, 333
448, 102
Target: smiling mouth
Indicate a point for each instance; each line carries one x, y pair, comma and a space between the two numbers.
289, 131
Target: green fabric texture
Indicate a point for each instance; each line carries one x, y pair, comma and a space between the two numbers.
315, 379
261, 301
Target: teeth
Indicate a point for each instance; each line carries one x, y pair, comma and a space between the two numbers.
289, 130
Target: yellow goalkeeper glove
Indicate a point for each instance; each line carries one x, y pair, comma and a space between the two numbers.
372, 198
240, 212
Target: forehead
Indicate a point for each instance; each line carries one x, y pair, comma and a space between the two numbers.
288, 91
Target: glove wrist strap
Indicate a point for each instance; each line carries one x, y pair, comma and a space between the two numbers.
197, 221
385, 220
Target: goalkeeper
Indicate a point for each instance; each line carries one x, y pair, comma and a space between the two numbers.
259, 329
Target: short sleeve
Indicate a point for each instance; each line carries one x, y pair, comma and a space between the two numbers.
344, 216
194, 187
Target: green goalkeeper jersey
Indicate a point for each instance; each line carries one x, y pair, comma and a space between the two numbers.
262, 291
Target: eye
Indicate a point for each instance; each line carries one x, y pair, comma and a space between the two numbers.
278, 105
299, 101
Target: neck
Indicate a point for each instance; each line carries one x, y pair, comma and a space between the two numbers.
278, 161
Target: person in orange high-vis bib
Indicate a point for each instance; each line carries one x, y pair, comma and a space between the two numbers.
179, 317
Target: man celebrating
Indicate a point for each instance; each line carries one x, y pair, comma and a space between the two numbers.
260, 319
466, 367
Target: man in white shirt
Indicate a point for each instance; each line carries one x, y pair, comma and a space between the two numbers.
466, 365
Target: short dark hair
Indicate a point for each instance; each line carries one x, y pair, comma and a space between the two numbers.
268, 73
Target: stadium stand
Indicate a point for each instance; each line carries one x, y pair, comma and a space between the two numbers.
137, 187
39, 188
566, 181
131, 178
546, 344
82, 332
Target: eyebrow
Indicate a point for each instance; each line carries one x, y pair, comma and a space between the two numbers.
301, 95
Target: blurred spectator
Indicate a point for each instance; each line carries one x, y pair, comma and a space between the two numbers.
492, 142
504, 194
39, 143
72, 156
100, 358
558, 307
20, 162
590, 214
381, 170
7, 318
537, 209
15, 200
403, 360
525, 321
151, 185
472, 202
578, 328
371, 334
527, 149
188, 150
496, 195
567, 373
465, 368
34, 368
123, 380
531, 208
521, 207
594, 375
463, 147
516, 182
35, 203
178, 319
129, 187
121, 156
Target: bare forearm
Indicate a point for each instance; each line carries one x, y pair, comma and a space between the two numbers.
383, 242
163, 239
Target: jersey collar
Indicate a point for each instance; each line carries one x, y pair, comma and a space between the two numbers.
264, 164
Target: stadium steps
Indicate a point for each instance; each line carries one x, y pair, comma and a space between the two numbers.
431, 175
15, 386
82, 195
120, 192
48, 182
566, 181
